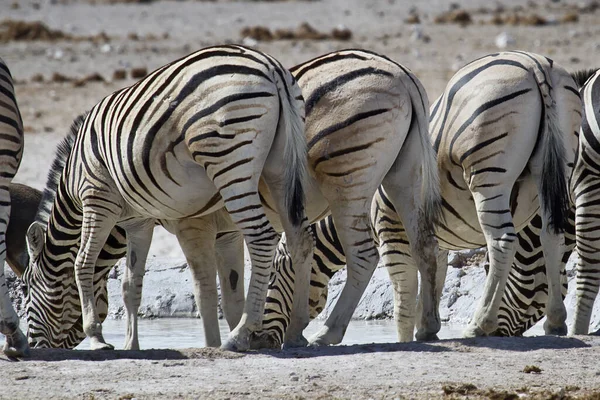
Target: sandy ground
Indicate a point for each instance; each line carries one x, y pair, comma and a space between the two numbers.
151, 34
558, 368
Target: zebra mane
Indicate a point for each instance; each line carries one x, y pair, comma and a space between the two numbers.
63, 149
582, 76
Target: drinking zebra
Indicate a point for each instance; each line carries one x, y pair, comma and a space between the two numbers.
11, 151
353, 147
497, 160
190, 138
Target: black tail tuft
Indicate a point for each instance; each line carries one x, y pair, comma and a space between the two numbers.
296, 206
554, 188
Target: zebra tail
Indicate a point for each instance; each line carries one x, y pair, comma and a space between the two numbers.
295, 151
554, 196
431, 196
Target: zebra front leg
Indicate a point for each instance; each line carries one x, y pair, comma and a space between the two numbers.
16, 343
95, 229
300, 245
588, 266
230, 266
354, 232
404, 283
197, 240
139, 239
495, 219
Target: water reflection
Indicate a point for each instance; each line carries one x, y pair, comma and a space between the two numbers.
177, 333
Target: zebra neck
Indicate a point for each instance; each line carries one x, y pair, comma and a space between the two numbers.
63, 235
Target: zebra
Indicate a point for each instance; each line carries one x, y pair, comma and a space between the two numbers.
11, 145
584, 186
375, 124
192, 137
490, 196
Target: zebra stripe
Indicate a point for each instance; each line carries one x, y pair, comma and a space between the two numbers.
181, 143
11, 151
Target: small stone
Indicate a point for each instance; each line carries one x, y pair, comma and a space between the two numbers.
138, 73
504, 40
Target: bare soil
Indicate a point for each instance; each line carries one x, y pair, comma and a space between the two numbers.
66, 55
496, 368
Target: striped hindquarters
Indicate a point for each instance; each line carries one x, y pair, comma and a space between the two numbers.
11, 127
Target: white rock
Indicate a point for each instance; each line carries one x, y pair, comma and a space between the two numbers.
248, 41
505, 40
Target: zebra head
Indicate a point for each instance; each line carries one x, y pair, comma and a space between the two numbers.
52, 304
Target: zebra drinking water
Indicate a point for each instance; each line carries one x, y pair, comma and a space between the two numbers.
366, 123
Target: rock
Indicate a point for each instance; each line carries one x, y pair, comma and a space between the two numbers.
504, 40
139, 72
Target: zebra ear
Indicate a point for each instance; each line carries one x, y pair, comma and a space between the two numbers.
35, 239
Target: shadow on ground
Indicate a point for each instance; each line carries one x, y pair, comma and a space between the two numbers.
520, 344
107, 355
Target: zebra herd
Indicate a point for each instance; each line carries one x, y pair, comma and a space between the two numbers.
337, 161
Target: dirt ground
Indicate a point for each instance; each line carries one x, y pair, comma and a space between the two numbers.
496, 368
77, 51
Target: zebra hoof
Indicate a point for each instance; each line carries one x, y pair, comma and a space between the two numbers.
426, 336
236, 344
318, 342
96, 344
299, 341
473, 331
16, 345
560, 330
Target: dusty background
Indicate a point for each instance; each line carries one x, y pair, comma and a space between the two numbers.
67, 54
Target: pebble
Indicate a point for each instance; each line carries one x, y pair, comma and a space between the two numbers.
504, 40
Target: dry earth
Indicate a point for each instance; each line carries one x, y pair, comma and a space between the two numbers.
496, 368
84, 50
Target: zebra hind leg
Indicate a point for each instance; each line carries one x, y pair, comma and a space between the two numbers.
139, 238
494, 215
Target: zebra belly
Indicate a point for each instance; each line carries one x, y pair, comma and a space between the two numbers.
184, 192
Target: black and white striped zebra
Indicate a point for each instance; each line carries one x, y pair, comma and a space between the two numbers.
585, 185
344, 137
190, 138
11, 151
504, 130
